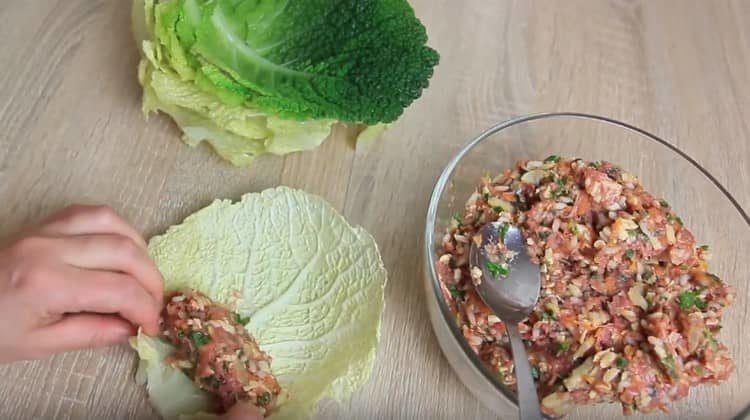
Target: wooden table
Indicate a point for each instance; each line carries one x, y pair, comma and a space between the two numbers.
72, 131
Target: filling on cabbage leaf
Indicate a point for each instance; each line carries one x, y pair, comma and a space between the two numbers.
309, 283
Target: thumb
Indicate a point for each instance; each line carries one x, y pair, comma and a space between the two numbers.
243, 411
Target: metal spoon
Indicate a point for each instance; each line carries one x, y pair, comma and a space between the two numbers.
511, 298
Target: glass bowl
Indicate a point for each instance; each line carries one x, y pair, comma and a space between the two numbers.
706, 207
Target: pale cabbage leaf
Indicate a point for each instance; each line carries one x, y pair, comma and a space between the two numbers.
311, 285
171, 392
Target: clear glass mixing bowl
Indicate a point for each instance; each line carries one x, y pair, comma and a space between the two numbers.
706, 207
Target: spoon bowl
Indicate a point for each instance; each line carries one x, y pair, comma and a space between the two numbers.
510, 297
510, 288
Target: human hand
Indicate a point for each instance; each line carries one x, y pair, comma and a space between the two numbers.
81, 279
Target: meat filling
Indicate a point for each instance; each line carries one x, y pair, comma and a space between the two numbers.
215, 350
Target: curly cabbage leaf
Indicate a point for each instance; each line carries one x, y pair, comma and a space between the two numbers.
352, 60
310, 284
253, 77
237, 132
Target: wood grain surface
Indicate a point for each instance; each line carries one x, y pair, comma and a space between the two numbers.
71, 131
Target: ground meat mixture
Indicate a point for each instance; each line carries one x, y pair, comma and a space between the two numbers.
216, 351
628, 312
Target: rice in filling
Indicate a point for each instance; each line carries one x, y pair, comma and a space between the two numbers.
627, 313
215, 350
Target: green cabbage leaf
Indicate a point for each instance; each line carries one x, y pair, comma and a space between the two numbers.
253, 77
310, 284
237, 132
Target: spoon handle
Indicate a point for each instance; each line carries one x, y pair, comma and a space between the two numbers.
528, 401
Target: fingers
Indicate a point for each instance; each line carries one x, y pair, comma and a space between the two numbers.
81, 331
90, 220
242, 411
112, 253
103, 292
121, 248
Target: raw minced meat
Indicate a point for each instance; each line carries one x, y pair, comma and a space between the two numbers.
215, 350
627, 313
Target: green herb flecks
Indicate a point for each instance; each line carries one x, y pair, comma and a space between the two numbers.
672, 219
560, 189
199, 339
688, 299
242, 320
535, 372
264, 398
621, 362
498, 269
700, 304
504, 228
456, 292
668, 363
552, 159
630, 253
563, 346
